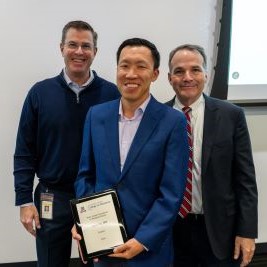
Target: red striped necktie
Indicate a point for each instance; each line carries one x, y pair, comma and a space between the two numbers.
187, 199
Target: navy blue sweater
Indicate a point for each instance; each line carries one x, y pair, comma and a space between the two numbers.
50, 132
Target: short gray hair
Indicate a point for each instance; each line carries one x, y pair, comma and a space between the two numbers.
190, 47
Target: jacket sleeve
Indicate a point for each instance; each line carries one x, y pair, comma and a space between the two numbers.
245, 181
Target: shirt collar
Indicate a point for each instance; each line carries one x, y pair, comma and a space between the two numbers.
140, 110
193, 106
69, 81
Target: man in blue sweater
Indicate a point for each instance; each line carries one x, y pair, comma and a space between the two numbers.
49, 143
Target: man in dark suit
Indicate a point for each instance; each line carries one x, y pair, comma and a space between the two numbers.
139, 147
218, 224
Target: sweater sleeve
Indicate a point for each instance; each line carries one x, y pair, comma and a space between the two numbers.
25, 152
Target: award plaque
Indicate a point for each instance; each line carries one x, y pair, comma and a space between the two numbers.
99, 221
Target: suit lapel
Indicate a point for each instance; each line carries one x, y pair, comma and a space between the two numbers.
211, 120
112, 135
147, 125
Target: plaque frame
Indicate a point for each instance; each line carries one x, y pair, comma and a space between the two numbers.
102, 252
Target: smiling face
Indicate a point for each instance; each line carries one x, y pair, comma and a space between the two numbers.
187, 76
135, 72
78, 51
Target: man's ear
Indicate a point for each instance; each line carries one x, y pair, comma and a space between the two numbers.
169, 77
155, 75
61, 47
95, 50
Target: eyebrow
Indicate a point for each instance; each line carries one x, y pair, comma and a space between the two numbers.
135, 62
191, 67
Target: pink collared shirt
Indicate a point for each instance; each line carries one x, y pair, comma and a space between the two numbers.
128, 128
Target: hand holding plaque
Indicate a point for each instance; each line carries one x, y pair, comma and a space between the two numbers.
99, 221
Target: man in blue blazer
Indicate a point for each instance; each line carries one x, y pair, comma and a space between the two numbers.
139, 147
221, 227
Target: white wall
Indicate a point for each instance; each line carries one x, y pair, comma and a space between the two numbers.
30, 35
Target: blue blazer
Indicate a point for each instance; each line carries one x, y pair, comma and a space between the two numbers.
151, 184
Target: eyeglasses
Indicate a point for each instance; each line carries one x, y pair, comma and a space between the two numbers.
74, 46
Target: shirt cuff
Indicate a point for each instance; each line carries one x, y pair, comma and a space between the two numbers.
27, 204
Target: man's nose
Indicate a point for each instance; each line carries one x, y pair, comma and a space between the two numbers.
131, 73
188, 75
79, 49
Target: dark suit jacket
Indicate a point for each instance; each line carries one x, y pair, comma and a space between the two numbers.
229, 188
151, 184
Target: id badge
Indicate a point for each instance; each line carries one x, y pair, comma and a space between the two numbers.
47, 206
